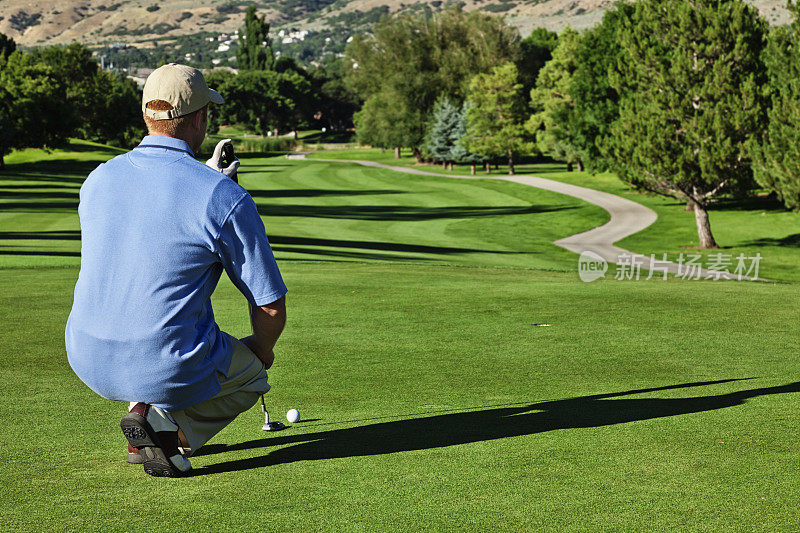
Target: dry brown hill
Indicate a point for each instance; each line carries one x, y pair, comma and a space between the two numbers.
97, 21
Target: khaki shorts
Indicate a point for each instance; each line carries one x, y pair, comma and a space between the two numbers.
246, 381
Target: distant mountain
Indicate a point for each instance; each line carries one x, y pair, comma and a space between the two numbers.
96, 22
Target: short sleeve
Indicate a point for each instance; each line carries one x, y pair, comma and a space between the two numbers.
247, 256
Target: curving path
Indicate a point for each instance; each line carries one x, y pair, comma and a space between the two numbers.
627, 218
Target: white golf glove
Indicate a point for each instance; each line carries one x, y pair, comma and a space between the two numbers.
216, 160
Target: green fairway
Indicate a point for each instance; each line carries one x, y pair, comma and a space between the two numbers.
749, 227
433, 396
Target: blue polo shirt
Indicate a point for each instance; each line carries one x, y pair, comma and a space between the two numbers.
157, 229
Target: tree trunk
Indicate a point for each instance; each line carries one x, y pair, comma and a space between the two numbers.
569, 167
2, 160
488, 168
472, 169
444, 165
690, 205
397, 152
579, 163
510, 163
704, 227
295, 135
450, 166
417, 155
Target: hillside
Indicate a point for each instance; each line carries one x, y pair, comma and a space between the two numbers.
95, 22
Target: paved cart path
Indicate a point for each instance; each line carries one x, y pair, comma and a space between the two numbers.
627, 218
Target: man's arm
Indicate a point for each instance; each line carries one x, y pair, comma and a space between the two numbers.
267, 322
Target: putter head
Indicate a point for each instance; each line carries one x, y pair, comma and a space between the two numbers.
273, 426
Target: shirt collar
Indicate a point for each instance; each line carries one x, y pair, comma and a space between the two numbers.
168, 143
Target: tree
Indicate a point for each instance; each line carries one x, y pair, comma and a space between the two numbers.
263, 101
32, 104
336, 103
595, 102
255, 46
776, 158
385, 122
553, 105
444, 134
411, 60
7, 47
101, 107
535, 51
458, 152
494, 115
689, 79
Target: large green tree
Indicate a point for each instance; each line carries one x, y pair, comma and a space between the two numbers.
690, 81
495, 114
552, 104
777, 155
255, 46
411, 60
263, 101
595, 102
535, 51
32, 105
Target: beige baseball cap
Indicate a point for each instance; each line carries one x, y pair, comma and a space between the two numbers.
182, 86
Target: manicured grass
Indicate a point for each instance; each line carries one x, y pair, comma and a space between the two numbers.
432, 398
749, 227
328, 211
434, 402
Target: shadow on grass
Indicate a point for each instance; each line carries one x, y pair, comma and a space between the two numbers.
399, 212
477, 426
791, 241
69, 235
278, 242
315, 193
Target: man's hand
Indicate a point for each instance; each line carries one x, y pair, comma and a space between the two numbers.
223, 159
267, 322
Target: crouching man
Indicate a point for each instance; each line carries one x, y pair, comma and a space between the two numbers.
157, 230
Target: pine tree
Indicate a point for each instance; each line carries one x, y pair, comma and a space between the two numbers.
443, 134
552, 104
689, 79
458, 153
255, 46
777, 157
494, 115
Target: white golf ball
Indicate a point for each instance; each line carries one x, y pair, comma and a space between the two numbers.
293, 415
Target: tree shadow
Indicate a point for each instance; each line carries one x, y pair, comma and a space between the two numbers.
399, 212
69, 235
477, 426
791, 241
278, 240
315, 193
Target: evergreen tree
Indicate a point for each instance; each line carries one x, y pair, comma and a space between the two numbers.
458, 153
595, 102
689, 79
494, 115
535, 51
552, 104
7, 47
776, 159
443, 133
255, 46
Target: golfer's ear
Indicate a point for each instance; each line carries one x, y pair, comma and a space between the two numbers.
196, 120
